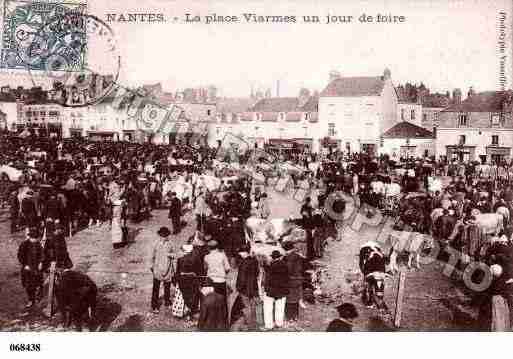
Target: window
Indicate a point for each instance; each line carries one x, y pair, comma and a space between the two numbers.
402, 114
331, 129
42, 113
462, 120
424, 117
461, 140
208, 112
305, 128
495, 140
413, 114
497, 120
53, 113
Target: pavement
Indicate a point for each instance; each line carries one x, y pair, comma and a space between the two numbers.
125, 282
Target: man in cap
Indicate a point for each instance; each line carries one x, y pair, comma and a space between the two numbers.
30, 256
175, 212
162, 267
347, 312
213, 312
276, 291
247, 285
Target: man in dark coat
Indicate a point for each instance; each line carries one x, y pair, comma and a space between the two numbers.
307, 214
187, 278
30, 256
14, 210
444, 226
276, 291
213, 316
295, 264
247, 285
347, 312
29, 210
55, 249
175, 212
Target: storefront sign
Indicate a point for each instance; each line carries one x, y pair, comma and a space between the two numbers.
504, 151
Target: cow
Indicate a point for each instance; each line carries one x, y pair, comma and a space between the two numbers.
76, 296
372, 266
410, 242
491, 223
272, 230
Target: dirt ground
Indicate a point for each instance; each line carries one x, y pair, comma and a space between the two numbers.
432, 301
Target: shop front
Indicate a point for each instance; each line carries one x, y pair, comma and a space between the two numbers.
407, 151
330, 144
129, 135
461, 153
368, 148
498, 154
275, 144
75, 132
53, 130
102, 136
305, 143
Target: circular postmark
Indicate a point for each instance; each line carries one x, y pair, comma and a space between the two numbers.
74, 54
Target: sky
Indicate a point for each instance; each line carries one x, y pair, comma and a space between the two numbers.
443, 43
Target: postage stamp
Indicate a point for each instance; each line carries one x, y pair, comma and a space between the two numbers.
40, 36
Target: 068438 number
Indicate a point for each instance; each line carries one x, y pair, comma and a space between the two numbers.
25, 347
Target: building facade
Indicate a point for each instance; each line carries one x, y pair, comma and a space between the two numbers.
355, 111
480, 128
406, 140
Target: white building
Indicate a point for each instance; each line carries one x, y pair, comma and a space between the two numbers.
355, 111
410, 112
405, 140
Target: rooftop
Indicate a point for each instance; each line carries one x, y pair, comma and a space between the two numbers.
489, 101
407, 130
276, 104
354, 86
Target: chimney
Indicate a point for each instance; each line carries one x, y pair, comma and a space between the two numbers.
456, 96
304, 96
387, 74
334, 74
471, 92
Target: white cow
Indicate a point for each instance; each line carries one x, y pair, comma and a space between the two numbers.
273, 229
410, 242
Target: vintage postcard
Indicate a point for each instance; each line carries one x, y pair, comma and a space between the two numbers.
228, 166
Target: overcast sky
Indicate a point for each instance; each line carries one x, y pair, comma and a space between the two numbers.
445, 44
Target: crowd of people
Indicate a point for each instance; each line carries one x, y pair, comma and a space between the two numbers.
64, 186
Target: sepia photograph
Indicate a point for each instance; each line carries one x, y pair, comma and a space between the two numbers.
255, 166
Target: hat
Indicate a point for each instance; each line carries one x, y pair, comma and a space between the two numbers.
187, 248
164, 232
33, 233
213, 243
276, 255
289, 245
347, 311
